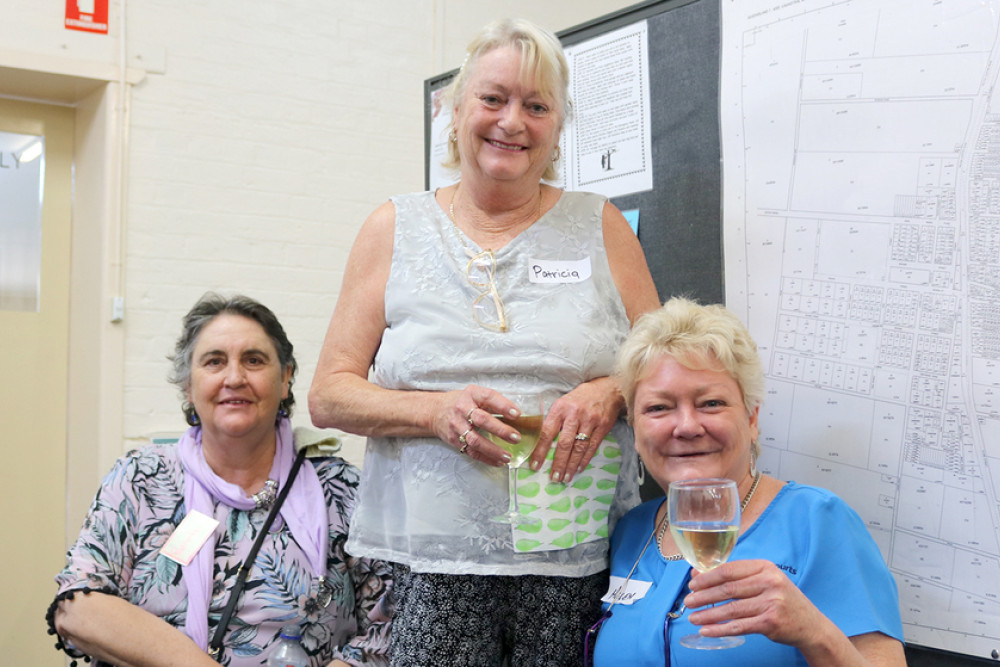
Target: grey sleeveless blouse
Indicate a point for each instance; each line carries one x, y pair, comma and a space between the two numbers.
423, 504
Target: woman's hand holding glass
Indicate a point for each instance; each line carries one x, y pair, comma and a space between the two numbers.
581, 417
761, 599
497, 427
466, 417
704, 519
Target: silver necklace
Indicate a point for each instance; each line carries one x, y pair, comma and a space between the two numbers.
266, 496
663, 524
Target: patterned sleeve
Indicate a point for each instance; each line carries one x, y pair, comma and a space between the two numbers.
104, 555
372, 583
101, 557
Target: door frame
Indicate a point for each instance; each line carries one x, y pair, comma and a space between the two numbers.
99, 95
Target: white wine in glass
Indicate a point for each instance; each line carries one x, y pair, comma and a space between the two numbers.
529, 425
705, 547
704, 519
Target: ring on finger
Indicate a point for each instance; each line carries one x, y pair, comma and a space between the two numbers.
465, 442
582, 436
468, 417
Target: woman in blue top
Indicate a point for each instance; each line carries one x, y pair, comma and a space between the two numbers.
806, 583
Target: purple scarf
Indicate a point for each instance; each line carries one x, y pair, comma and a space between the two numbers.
304, 510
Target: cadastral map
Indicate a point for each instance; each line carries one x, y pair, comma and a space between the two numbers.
861, 178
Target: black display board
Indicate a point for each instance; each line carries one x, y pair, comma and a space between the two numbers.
680, 226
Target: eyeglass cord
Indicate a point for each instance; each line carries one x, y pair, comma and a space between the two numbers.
490, 287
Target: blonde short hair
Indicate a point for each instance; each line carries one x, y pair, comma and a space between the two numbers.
542, 58
696, 336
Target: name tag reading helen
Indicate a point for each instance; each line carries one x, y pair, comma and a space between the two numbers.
559, 270
622, 591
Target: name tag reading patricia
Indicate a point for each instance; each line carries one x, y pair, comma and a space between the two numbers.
559, 271
622, 591
189, 537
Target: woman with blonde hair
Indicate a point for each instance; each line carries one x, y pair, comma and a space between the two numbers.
456, 300
805, 584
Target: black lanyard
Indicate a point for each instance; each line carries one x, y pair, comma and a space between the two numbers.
215, 648
675, 612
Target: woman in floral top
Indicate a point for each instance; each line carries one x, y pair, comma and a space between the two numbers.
235, 367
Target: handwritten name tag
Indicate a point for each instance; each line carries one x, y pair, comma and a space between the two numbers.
189, 537
559, 271
622, 591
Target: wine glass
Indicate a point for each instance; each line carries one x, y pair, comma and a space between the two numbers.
704, 519
529, 425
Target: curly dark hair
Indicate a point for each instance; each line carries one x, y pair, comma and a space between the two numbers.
210, 306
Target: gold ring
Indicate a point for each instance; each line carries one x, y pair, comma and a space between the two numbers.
463, 440
468, 417
582, 436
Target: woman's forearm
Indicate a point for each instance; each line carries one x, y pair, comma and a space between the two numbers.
873, 649
115, 631
350, 403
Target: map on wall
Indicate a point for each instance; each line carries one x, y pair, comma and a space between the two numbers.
861, 171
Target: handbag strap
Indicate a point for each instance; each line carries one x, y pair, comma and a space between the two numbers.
215, 648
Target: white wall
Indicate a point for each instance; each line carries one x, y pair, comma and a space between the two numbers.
457, 21
261, 137
274, 130
263, 133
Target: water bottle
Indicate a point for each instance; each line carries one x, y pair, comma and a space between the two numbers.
288, 652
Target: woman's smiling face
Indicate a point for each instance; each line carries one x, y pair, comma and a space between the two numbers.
692, 423
237, 383
506, 129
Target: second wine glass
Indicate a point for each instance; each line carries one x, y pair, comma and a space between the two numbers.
704, 519
529, 425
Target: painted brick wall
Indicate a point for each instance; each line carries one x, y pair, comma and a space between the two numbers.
262, 136
274, 130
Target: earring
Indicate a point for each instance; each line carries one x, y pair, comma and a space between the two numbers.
557, 154
642, 472
190, 416
753, 465
453, 136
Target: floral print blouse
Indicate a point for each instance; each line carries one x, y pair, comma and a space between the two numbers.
139, 504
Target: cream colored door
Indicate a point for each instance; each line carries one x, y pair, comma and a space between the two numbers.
33, 379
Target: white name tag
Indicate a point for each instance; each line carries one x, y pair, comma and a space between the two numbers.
626, 592
559, 271
189, 537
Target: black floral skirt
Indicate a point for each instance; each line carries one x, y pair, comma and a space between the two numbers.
483, 620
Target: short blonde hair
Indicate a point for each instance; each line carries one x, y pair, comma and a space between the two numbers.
542, 58
697, 337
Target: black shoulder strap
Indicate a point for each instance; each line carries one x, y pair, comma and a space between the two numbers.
215, 648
